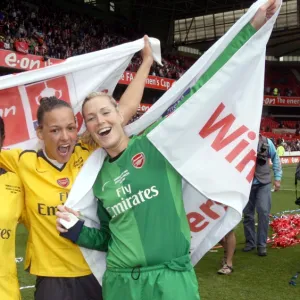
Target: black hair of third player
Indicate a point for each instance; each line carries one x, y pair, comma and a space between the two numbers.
2, 129
47, 104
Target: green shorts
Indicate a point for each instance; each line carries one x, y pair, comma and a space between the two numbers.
168, 281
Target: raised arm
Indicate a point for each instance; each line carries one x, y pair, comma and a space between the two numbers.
132, 97
265, 12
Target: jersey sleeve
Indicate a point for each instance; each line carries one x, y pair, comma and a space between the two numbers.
93, 238
233, 47
9, 159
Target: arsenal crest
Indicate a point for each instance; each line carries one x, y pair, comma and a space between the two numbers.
64, 182
138, 160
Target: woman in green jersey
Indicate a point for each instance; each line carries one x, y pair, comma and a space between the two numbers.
140, 205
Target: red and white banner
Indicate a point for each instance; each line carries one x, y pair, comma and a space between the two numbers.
287, 160
154, 82
21, 47
143, 107
21, 93
282, 101
10, 59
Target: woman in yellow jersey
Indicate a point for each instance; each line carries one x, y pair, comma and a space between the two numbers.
12, 202
47, 176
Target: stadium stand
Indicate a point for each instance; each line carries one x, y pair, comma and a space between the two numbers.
286, 80
38, 29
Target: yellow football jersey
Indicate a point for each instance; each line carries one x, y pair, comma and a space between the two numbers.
47, 186
12, 203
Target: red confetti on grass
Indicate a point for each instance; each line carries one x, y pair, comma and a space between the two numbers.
286, 231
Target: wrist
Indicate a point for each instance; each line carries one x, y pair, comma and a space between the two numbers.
254, 25
148, 61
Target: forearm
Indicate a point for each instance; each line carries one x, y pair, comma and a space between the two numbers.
87, 237
276, 164
92, 238
132, 97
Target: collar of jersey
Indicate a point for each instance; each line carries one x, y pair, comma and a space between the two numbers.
43, 155
111, 160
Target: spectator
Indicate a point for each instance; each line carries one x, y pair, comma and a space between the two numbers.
260, 197
229, 244
7, 44
280, 149
275, 92
268, 90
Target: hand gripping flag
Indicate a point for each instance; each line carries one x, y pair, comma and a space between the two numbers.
211, 137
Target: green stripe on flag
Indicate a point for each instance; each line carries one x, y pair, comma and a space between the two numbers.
235, 45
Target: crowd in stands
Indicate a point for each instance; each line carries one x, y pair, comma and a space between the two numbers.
287, 92
290, 146
38, 29
269, 123
170, 69
57, 34
288, 133
35, 27
282, 81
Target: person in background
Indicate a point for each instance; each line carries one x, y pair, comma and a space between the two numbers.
12, 204
297, 129
229, 244
275, 92
260, 197
280, 149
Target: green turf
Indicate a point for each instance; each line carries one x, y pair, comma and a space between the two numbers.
262, 278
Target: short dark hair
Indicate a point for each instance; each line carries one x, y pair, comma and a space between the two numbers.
2, 129
47, 104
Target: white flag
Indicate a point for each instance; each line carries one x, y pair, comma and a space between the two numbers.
71, 80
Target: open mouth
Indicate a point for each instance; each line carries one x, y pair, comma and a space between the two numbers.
104, 131
63, 149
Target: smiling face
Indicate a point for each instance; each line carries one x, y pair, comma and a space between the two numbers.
104, 123
59, 133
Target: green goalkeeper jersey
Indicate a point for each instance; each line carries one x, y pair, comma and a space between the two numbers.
142, 193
